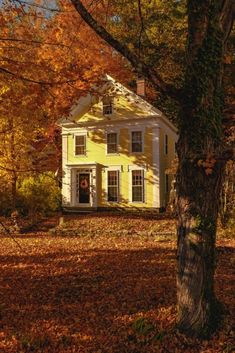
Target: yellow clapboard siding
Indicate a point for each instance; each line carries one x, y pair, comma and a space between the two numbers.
96, 151
129, 113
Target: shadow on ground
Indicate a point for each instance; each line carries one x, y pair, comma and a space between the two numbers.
91, 294
74, 299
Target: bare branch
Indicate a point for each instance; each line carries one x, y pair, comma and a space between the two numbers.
148, 72
6, 59
31, 41
20, 77
37, 5
142, 25
227, 17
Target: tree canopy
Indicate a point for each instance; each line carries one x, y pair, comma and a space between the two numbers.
50, 57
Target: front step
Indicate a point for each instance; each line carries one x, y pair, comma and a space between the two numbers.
79, 209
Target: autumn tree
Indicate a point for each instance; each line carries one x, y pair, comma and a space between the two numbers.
44, 68
201, 152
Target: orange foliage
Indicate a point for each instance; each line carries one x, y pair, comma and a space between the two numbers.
47, 61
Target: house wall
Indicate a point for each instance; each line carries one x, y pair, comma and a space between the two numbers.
165, 163
125, 108
130, 112
124, 159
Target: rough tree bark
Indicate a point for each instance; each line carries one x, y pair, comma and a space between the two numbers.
200, 148
199, 178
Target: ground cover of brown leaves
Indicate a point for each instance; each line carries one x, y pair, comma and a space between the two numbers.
102, 292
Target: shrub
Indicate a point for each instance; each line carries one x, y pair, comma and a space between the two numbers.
5, 196
39, 194
5, 202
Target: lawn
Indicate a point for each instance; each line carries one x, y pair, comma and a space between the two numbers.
103, 284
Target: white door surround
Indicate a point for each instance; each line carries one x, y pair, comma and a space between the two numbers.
83, 185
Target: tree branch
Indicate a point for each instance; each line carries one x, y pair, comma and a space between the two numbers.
37, 6
227, 17
142, 25
20, 77
148, 72
26, 41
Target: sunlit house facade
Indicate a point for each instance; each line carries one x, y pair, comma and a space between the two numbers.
116, 148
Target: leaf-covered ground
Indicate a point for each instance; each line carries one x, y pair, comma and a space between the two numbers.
109, 289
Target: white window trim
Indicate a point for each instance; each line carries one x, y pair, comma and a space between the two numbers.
118, 145
116, 168
82, 133
130, 169
135, 129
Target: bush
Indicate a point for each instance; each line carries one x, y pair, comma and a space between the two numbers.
5, 195
39, 194
5, 202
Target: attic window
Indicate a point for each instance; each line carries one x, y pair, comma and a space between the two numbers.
107, 106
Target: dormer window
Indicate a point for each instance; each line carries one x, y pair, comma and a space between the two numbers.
107, 106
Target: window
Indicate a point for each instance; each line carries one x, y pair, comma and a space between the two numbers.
136, 141
166, 144
137, 186
112, 143
80, 145
113, 185
107, 105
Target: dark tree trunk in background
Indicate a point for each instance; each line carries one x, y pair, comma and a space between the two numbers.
14, 179
12, 156
200, 146
200, 170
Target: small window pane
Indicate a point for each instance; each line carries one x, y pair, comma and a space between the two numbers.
107, 105
112, 143
113, 185
80, 147
136, 141
137, 186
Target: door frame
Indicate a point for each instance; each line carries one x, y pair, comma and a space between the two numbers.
78, 172
83, 168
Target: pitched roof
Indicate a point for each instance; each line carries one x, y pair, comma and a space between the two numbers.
85, 108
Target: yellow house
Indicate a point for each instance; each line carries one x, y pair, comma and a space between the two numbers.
116, 148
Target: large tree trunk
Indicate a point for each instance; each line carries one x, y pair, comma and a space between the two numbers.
198, 200
200, 169
199, 149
